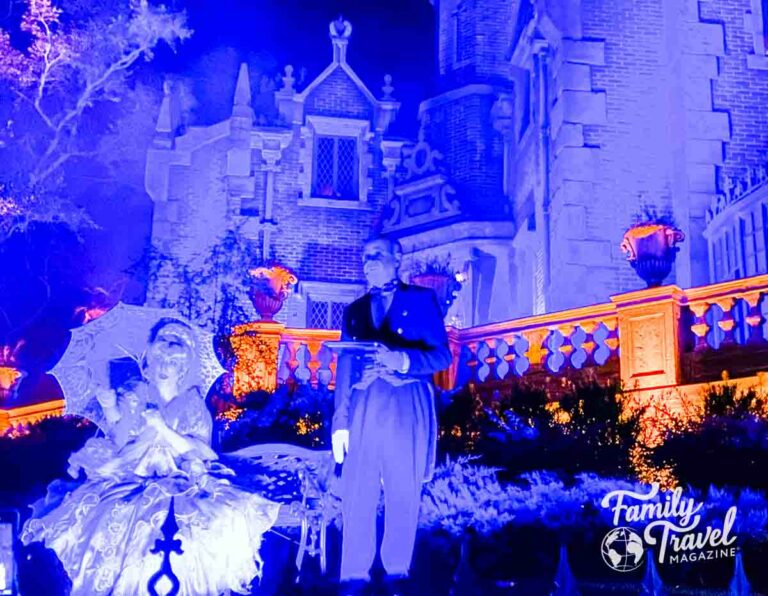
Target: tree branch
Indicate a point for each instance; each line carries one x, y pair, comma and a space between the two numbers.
86, 98
37, 108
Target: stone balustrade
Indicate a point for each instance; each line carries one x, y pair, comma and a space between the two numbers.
655, 340
650, 335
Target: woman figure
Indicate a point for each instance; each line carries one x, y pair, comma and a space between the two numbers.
158, 447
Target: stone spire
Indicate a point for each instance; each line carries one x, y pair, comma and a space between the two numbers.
242, 105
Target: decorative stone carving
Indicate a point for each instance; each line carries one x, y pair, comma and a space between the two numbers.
737, 189
340, 28
422, 193
421, 159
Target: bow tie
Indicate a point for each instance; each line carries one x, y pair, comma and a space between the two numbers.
387, 288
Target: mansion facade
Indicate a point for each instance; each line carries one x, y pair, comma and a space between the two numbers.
556, 122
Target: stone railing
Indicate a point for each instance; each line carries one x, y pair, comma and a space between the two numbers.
23, 416
269, 354
649, 339
654, 340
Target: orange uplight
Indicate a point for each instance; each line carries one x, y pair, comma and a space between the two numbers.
306, 426
89, 314
9, 376
644, 230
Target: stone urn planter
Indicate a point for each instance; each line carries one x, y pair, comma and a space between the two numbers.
271, 285
442, 279
651, 250
11, 375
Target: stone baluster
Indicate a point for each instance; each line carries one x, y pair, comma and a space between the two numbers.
727, 323
502, 354
303, 371
520, 348
474, 362
287, 357
555, 343
700, 327
484, 359
758, 312
579, 354
325, 369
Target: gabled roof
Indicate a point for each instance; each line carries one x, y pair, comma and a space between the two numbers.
340, 32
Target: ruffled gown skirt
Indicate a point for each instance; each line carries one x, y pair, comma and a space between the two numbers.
103, 532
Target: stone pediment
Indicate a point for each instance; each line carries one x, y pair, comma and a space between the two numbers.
423, 193
338, 91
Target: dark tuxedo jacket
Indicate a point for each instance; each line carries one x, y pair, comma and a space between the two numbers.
414, 324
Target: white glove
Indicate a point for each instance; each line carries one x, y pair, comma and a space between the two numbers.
340, 443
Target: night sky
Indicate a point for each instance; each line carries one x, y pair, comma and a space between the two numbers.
389, 37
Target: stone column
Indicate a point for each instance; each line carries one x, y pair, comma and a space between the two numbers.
650, 337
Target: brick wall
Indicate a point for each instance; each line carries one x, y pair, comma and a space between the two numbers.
740, 91
338, 96
484, 25
630, 143
322, 243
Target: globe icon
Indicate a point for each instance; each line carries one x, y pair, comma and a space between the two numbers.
622, 549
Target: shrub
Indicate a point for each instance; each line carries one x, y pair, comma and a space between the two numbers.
521, 430
298, 414
726, 446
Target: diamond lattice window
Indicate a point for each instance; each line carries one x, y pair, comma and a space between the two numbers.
336, 168
325, 314
318, 315
337, 314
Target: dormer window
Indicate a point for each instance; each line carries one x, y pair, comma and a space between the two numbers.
335, 168
335, 159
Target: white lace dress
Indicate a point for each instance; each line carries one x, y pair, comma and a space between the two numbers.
103, 530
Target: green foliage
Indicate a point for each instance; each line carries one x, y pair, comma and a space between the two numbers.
727, 446
298, 414
651, 214
520, 430
209, 290
728, 400
463, 496
34, 457
595, 413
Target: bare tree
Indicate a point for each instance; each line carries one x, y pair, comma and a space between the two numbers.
51, 93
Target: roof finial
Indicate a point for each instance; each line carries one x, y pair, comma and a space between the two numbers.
387, 89
288, 78
340, 31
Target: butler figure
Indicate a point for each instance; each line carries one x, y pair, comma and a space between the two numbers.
384, 424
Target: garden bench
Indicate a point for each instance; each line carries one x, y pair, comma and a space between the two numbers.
301, 480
